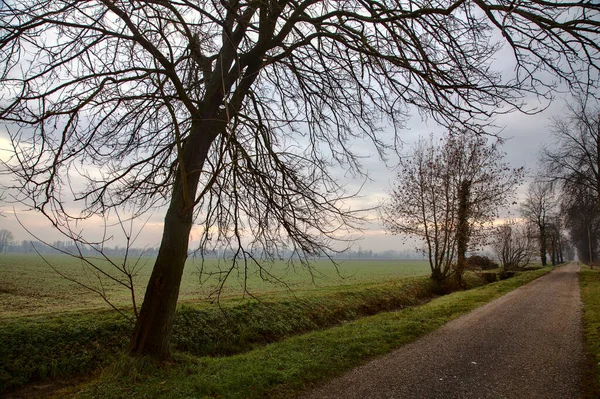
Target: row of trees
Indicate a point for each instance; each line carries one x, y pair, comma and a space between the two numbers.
449, 193
572, 164
565, 198
537, 234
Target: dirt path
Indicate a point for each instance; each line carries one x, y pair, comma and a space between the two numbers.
526, 344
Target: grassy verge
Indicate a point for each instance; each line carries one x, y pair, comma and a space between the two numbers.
284, 368
37, 348
590, 295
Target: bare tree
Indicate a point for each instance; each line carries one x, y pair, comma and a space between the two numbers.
539, 207
232, 112
580, 209
555, 240
574, 157
446, 194
6, 238
514, 244
574, 162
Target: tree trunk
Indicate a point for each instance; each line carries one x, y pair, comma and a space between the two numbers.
543, 245
153, 328
462, 230
590, 247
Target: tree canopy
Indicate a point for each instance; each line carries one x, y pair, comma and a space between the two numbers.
231, 112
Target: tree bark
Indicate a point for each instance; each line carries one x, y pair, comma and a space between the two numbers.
543, 245
590, 247
462, 229
153, 328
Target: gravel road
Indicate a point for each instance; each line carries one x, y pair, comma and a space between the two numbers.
526, 344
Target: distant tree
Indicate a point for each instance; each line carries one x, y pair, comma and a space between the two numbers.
539, 207
232, 112
582, 219
6, 238
556, 240
514, 244
446, 194
574, 157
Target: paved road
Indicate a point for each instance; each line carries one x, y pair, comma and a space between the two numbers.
526, 344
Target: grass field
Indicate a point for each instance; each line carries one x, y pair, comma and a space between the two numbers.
52, 344
285, 368
29, 286
590, 295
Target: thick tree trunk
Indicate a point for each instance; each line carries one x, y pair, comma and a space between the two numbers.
153, 328
462, 229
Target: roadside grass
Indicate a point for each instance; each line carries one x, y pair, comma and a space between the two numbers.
590, 295
285, 368
71, 344
28, 286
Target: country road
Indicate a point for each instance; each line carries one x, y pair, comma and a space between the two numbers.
526, 344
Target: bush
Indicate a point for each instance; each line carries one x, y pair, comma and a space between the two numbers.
481, 262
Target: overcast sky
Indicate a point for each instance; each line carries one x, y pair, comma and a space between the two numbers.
525, 136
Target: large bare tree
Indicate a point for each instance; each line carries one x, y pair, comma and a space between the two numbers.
447, 193
231, 112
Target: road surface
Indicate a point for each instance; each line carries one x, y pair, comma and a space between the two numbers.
526, 344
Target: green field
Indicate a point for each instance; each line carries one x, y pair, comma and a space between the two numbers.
29, 286
57, 343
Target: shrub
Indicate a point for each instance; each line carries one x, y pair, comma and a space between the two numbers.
481, 262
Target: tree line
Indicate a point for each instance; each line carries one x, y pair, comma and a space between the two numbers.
448, 194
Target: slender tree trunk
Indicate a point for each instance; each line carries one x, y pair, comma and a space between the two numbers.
462, 229
560, 251
153, 328
590, 247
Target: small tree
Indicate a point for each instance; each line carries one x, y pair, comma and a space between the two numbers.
6, 238
514, 244
446, 194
